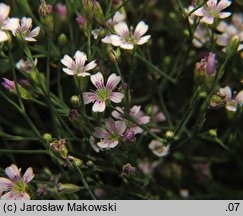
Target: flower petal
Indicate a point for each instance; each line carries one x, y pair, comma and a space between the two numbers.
116, 40
5, 184
127, 46
116, 97
35, 32
90, 66
140, 29
120, 127
113, 81
117, 113
121, 29
239, 98
143, 40
80, 58
89, 97
98, 80
223, 4
101, 133
68, 71
208, 19
9, 196
67, 61
143, 120
223, 15
99, 106
28, 175
4, 11
3, 36
11, 24
13, 172
26, 23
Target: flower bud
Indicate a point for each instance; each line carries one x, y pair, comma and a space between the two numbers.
67, 188
46, 17
128, 169
75, 101
114, 55
81, 20
233, 45
98, 13
213, 132
59, 146
88, 9
169, 134
62, 40
61, 10
75, 161
217, 102
47, 137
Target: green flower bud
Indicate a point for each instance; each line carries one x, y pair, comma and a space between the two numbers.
67, 188
98, 13
47, 137
233, 45
75, 101
62, 40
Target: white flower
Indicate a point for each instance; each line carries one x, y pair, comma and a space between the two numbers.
77, 66
117, 18
126, 38
6, 23
104, 93
26, 65
212, 10
158, 148
15, 186
230, 30
24, 29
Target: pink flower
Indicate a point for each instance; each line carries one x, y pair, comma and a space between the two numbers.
232, 102
15, 187
25, 30
147, 167
158, 148
201, 36
230, 30
61, 10
9, 85
138, 116
77, 66
126, 39
6, 24
212, 10
26, 65
104, 93
111, 135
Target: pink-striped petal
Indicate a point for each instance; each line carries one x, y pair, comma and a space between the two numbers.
35, 32
239, 98
68, 71
13, 172
80, 58
143, 120
98, 80
28, 175
101, 133
121, 29
11, 24
223, 15
113, 81
5, 184
120, 127
90, 66
99, 106
89, 97
116, 97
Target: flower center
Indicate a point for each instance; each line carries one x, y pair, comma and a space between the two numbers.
19, 186
103, 94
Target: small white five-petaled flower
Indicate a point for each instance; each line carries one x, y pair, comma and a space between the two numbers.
127, 39
104, 93
15, 187
77, 66
213, 10
6, 23
24, 29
